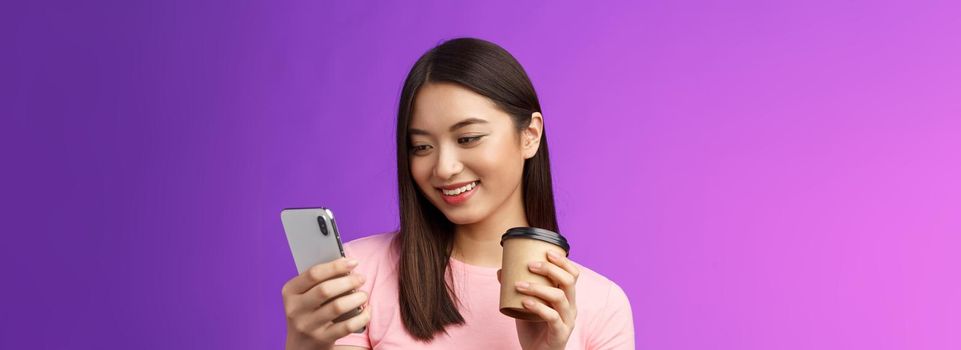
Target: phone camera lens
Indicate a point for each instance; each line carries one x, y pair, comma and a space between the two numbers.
323, 225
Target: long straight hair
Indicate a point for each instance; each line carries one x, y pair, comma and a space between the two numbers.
425, 239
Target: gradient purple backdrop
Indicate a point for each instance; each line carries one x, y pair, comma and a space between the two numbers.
755, 175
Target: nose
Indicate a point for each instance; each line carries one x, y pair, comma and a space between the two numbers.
448, 163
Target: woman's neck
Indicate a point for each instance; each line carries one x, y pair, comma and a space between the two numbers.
479, 243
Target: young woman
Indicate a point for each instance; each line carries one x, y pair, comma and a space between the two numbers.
472, 162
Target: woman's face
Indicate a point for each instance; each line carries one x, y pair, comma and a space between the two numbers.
461, 140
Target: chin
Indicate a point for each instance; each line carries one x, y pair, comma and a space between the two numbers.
462, 216
461, 220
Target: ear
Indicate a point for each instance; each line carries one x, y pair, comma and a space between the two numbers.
531, 136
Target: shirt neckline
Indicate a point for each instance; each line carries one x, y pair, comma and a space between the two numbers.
481, 270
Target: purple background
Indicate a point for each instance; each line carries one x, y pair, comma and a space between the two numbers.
754, 175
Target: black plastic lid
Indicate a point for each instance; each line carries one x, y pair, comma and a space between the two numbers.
538, 234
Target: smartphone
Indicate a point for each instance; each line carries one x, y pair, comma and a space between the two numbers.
314, 239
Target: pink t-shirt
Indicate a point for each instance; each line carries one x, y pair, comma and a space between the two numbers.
603, 321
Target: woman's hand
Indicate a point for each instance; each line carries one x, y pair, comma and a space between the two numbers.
558, 313
316, 297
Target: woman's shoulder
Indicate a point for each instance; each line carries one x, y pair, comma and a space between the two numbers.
604, 311
376, 247
598, 291
377, 241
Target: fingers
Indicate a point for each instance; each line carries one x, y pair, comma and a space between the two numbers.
549, 315
564, 263
555, 304
313, 299
560, 276
318, 273
553, 272
554, 297
330, 289
341, 305
341, 329
321, 319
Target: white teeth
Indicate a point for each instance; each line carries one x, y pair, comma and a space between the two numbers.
458, 191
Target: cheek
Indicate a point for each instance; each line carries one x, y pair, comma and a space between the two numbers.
498, 161
420, 171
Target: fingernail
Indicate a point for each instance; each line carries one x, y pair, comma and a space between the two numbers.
553, 254
528, 303
535, 265
351, 262
522, 285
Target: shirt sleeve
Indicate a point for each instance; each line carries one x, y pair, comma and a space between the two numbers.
614, 325
358, 339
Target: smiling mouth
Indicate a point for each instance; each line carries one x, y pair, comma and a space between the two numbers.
461, 190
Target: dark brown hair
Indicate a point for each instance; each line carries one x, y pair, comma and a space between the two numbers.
425, 237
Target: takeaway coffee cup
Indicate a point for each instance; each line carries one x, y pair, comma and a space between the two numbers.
523, 245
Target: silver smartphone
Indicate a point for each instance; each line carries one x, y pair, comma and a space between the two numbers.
314, 239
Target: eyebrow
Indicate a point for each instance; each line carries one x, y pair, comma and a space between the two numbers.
454, 127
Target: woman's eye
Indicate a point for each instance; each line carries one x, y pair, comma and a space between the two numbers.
466, 140
419, 148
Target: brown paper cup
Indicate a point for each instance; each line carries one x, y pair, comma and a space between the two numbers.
523, 245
